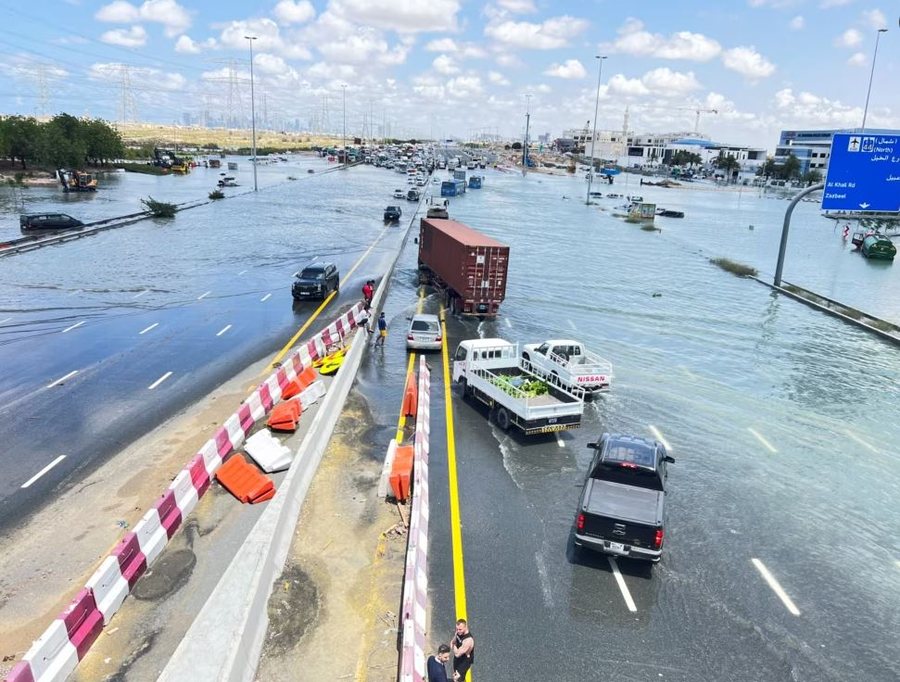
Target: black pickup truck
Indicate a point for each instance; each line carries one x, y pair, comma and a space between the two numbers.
622, 508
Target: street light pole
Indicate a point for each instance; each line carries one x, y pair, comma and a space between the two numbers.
871, 74
344, 97
587, 199
252, 112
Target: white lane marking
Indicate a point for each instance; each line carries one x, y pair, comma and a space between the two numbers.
74, 326
776, 588
62, 379
629, 602
508, 323
660, 438
572, 325
224, 329
43, 471
144, 331
762, 440
77, 291
860, 440
265, 298
159, 381
241, 272
202, 296
5, 320
140, 293
559, 441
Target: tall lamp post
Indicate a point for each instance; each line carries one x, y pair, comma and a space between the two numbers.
871, 74
252, 112
587, 199
344, 98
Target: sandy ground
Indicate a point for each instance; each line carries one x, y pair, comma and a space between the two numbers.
225, 138
333, 612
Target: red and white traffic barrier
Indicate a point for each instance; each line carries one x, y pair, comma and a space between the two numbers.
414, 616
56, 653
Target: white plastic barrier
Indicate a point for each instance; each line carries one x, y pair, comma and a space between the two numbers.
109, 586
185, 492
151, 535
310, 394
52, 656
268, 452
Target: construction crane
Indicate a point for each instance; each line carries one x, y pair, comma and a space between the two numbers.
696, 110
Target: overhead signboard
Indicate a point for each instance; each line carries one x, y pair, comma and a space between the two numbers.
863, 173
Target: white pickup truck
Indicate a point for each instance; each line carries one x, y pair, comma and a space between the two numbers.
493, 372
571, 362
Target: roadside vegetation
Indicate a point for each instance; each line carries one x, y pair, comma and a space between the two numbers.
735, 268
62, 142
144, 168
216, 194
159, 209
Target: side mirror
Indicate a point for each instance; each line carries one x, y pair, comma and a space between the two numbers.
669, 459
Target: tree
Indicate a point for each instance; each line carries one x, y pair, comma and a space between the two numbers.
811, 177
103, 143
768, 169
727, 163
791, 168
21, 139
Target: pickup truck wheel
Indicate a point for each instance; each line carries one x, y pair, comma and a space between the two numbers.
464, 387
503, 419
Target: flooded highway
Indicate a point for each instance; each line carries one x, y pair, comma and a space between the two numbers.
779, 417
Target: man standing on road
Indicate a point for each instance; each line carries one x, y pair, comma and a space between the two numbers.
463, 647
437, 664
382, 331
367, 291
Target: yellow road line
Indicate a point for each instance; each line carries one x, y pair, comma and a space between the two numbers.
401, 422
312, 318
459, 577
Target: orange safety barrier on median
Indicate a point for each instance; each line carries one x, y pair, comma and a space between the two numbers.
410, 396
401, 471
244, 481
284, 416
306, 377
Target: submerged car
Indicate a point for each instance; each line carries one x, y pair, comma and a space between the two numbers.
424, 333
316, 281
48, 221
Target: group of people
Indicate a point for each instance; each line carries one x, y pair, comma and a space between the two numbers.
461, 648
368, 291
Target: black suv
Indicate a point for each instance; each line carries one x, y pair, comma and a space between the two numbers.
48, 221
316, 281
392, 214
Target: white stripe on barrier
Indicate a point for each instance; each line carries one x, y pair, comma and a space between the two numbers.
274, 387
185, 492
211, 459
109, 586
52, 656
257, 410
235, 431
151, 535
303, 354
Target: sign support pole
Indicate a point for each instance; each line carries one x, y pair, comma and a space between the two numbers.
787, 225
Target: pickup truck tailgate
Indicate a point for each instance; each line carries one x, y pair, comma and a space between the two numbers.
622, 513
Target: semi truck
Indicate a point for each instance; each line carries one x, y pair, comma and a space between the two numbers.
468, 266
492, 372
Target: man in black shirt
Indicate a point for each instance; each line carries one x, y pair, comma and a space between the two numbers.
463, 647
437, 664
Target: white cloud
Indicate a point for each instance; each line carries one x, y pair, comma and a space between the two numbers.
460, 50
497, 78
403, 16
268, 38
160, 79
621, 85
857, 59
797, 23
875, 19
185, 45
169, 13
135, 36
363, 46
548, 35
775, 4
429, 88
464, 86
748, 62
826, 4
508, 60
667, 82
518, 6
544, 88
445, 65
118, 12
332, 71
290, 12
808, 110
572, 69
270, 64
849, 38
442, 45
634, 40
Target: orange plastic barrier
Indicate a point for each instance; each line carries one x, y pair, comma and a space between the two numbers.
306, 377
401, 472
291, 390
284, 416
411, 396
244, 481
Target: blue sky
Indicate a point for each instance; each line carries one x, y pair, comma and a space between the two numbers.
456, 67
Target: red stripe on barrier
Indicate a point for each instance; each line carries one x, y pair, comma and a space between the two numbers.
246, 418
326, 338
83, 621
339, 325
282, 378
21, 671
265, 397
223, 442
199, 476
313, 350
132, 561
169, 513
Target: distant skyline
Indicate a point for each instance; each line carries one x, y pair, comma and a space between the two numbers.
458, 68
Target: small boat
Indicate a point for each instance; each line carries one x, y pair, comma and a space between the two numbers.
879, 247
667, 213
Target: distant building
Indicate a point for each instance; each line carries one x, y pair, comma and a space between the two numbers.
187, 119
813, 147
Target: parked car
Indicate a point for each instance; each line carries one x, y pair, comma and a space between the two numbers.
424, 333
48, 221
316, 281
399, 194
392, 214
622, 507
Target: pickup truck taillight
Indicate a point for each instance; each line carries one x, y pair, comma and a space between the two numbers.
658, 538
410, 337
579, 522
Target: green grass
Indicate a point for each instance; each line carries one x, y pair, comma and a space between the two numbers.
159, 209
144, 168
216, 194
735, 268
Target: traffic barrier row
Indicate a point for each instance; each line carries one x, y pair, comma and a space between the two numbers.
414, 614
55, 654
